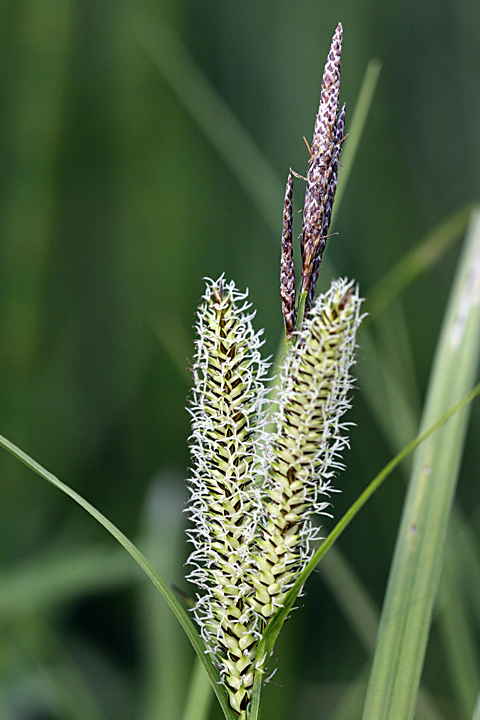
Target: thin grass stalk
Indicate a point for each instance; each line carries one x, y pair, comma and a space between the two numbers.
417, 563
422, 257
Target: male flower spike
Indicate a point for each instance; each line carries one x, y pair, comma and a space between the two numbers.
322, 176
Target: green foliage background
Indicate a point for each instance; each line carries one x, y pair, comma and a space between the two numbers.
122, 185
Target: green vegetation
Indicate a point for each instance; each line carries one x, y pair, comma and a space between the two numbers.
142, 149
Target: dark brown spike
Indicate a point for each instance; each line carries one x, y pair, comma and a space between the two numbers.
287, 270
322, 173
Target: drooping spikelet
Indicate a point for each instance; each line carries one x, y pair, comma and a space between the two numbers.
328, 136
287, 271
228, 425
305, 450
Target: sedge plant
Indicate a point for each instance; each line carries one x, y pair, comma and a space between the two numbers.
254, 492
263, 470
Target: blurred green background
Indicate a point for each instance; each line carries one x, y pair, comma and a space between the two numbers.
144, 146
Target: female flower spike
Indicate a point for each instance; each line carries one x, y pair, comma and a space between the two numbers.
227, 423
304, 453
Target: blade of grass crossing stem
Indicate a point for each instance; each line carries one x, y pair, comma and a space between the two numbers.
169, 596
267, 642
417, 562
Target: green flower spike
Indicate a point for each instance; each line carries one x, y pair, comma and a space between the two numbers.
253, 493
304, 453
228, 428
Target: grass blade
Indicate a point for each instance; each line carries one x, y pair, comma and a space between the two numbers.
356, 128
421, 258
418, 556
272, 630
172, 600
214, 117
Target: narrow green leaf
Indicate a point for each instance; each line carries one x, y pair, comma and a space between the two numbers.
428, 251
273, 628
356, 128
214, 117
418, 556
172, 600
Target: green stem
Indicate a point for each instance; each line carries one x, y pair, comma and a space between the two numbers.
301, 310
